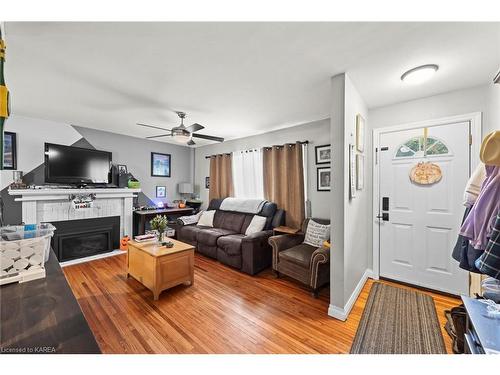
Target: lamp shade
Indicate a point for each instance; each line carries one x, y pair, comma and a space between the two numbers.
186, 188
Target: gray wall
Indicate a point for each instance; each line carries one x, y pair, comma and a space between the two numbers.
449, 104
492, 117
358, 254
339, 193
351, 249
317, 133
135, 153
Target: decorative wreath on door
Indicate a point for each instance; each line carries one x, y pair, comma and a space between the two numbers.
425, 173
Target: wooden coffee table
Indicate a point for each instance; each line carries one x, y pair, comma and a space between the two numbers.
159, 268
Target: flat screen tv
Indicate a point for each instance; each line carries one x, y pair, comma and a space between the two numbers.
75, 165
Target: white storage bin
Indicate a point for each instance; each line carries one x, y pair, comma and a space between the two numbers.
24, 251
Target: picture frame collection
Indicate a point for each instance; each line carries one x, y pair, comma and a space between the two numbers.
323, 156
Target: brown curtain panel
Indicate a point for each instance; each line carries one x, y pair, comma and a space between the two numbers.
284, 181
221, 177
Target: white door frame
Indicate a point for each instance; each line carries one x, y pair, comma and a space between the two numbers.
475, 121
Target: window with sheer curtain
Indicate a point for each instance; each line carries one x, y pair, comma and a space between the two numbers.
248, 175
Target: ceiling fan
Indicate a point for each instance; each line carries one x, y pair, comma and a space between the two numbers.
181, 133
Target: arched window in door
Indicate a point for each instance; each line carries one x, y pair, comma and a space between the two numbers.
418, 147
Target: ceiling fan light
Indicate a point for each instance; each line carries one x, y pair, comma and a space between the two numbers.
180, 138
419, 74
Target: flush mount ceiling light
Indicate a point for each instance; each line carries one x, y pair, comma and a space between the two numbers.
419, 74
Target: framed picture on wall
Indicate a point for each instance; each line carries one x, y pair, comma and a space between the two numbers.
323, 154
360, 133
324, 178
160, 164
352, 173
360, 172
207, 182
10, 150
161, 192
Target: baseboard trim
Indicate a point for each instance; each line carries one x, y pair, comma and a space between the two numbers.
91, 258
342, 313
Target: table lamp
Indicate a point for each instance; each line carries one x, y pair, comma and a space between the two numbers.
185, 188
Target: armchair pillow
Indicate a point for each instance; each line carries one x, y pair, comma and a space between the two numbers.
316, 233
256, 225
207, 218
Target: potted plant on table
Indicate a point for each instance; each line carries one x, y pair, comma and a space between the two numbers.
159, 224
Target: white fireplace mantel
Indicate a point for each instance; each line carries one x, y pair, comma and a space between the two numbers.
46, 205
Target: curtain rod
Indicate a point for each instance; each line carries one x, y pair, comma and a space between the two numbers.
228, 153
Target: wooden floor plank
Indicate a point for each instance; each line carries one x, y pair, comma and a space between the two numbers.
225, 311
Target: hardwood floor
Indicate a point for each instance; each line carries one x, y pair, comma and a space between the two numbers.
225, 311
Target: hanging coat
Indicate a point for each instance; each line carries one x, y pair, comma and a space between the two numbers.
477, 226
464, 253
489, 262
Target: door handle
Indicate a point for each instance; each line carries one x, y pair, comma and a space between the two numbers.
384, 216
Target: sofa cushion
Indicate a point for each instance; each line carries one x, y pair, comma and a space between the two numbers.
269, 210
231, 244
209, 236
300, 255
229, 220
188, 233
207, 218
256, 225
246, 223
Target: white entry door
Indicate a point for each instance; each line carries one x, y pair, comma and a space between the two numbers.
420, 223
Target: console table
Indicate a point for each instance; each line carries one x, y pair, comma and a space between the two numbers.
142, 216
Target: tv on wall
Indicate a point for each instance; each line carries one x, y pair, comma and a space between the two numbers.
75, 165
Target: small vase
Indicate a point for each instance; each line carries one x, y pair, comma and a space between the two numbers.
159, 237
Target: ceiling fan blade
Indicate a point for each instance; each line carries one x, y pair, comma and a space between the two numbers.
158, 136
191, 143
194, 128
209, 137
152, 126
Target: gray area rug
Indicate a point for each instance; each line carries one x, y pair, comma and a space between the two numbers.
398, 321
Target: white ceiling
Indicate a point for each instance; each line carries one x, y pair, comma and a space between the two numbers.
237, 79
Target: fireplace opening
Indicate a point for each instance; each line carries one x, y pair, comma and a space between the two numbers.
75, 239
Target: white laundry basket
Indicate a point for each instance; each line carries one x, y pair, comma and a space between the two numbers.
24, 251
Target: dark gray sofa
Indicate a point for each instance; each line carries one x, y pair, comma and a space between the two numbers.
227, 241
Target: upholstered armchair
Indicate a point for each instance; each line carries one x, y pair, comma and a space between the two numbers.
302, 262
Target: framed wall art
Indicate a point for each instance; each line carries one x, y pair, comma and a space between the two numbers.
10, 151
360, 172
160, 164
360, 133
324, 178
161, 192
352, 172
323, 154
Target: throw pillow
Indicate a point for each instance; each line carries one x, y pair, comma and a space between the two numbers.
256, 225
316, 233
207, 218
